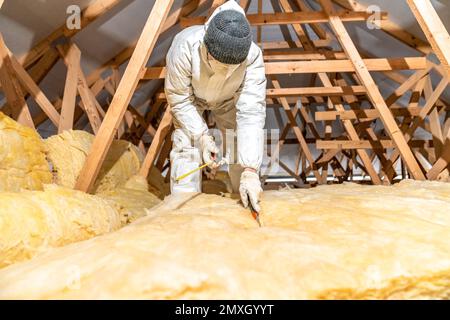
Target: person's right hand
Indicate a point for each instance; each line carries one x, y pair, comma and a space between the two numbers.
208, 149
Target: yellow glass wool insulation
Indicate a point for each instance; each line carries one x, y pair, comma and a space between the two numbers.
22, 157
67, 152
132, 200
33, 221
338, 241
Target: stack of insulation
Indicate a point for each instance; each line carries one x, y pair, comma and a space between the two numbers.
40, 209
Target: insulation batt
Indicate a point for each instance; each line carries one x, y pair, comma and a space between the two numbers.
132, 200
338, 241
33, 221
68, 151
22, 157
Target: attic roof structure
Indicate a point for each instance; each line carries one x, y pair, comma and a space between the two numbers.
343, 111
357, 91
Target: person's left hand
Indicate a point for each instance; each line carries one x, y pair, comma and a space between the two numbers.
250, 188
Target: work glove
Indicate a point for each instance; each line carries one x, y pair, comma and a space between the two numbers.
208, 149
250, 188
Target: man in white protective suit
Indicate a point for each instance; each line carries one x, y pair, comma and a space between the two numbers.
217, 67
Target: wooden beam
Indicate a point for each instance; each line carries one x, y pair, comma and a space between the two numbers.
11, 88
442, 163
294, 54
282, 18
380, 64
214, 6
316, 91
364, 114
434, 30
39, 70
89, 103
312, 92
301, 67
126, 53
36, 92
353, 135
72, 59
373, 92
298, 133
367, 144
318, 30
434, 120
124, 93
245, 4
424, 112
155, 146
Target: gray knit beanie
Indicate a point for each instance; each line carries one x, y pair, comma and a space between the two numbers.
228, 37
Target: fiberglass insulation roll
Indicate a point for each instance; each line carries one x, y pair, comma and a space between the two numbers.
22, 157
67, 153
32, 222
338, 241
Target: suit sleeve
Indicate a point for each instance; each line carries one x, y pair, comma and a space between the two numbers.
251, 114
179, 92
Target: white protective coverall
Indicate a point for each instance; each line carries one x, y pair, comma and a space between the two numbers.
236, 97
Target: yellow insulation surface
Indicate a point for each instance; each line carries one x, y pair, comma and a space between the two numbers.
22, 157
33, 221
67, 152
132, 200
339, 241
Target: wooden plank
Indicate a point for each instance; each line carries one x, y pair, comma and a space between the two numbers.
245, 4
283, 18
301, 67
297, 131
373, 92
214, 6
364, 114
294, 54
36, 92
72, 59
367, 144
122, 98
442, 163
298, 28
435, 122
307, 44
165, 152
434, 29
424, 112
316, 91
12, 90
380, 64
353, 135
318, 30
406, 85
38, 71
126, 53
89, 102
160, 135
